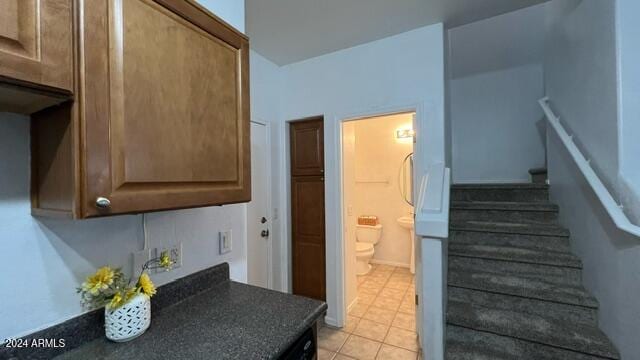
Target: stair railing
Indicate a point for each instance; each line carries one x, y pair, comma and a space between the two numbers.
432, 230
614, 210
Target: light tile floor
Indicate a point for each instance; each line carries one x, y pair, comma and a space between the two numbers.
381, 325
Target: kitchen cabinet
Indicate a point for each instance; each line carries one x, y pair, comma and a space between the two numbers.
163, 118
36, 53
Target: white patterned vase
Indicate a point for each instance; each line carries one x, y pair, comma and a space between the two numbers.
129, 320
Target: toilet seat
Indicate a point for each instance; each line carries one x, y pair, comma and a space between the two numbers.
362, 246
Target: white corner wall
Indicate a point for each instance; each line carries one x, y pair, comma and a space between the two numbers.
46, 259
495, 79
401, 72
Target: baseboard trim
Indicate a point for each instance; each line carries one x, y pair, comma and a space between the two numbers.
391, 263
352, 305
331, 321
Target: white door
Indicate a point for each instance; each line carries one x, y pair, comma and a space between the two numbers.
258, 219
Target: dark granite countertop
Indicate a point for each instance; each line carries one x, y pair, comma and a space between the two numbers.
228, 321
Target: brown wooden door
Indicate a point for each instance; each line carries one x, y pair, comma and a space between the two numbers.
308, 209
166, 115
36, 43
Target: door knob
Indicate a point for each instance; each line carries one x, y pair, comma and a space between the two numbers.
264, 233
103, 203
263, 220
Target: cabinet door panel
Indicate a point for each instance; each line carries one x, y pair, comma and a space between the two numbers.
173, 99
307, 147
36, 42
308, 236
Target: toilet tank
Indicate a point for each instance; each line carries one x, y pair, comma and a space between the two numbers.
368, 233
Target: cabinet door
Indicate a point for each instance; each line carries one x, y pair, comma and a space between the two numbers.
166, 107
308, 236
307, 149
36, 43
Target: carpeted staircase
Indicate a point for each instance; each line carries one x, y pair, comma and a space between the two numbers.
514, 287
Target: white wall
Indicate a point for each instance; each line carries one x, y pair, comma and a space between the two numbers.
628, 33
593, 87
266, 87
495, 80
580, 78
379, 156
397, 73
45, 260
349, 214
231, 11
611, 270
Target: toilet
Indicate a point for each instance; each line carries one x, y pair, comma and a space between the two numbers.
367, 236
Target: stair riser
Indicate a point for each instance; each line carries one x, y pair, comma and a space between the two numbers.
554, 274
467, 344
552, 310
505, 216
508, 195
511, 228
552, 243
539, 178
538, 329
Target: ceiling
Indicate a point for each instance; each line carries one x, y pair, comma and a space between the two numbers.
287, 31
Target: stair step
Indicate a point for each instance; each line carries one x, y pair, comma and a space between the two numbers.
540, 329
535, 242
554, 310
509, 228
469, 344
514, 285
539, 175
518, 254
512, 212
506, 205
561, 275
500, 192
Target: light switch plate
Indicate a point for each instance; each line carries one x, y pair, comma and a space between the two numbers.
225, 241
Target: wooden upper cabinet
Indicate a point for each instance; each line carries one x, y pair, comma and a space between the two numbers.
163, 119
36, 53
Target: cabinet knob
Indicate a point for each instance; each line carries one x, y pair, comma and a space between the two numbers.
103, 203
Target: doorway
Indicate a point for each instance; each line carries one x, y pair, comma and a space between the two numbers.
308, 243
377, 228
259, 243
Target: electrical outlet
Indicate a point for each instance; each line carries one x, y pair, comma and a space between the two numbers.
175, 253
225, 242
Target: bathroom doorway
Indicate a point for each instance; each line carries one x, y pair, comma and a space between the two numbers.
377, 218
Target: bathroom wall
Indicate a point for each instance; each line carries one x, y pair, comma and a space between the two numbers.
378, 158
45, 259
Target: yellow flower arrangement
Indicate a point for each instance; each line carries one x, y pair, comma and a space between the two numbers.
109, 288
100, 281
146, 285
